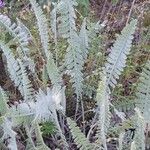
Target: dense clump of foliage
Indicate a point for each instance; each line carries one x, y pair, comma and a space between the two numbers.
64, 43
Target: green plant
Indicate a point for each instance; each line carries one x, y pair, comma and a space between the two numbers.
48, 128
47, 102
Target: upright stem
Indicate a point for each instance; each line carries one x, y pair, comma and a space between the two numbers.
83, 117
130, 12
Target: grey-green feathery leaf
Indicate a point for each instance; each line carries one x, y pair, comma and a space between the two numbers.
30, 144
17, 73
116, 60
77, 50
53, 72
22, 114
67, 29
24, 29
103, 103
139, 137
67, 17
21, 35
42, 25
79, 138
54, 21
12, 65
31, 112
9, 134
27, 61
74, 62
83, 35
76, 54
39, 139
94, 29
143, 93
44, 75
16, 31
25, 87
3, 102
43, 31
40, 145
54, 28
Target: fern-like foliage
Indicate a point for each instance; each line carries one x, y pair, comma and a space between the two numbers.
51, 67
143, 92
6, 123
3, 102
23, 114
103, 103
42, 26
74, 63
30, 144
124, 104
83, 35
54, 22
21, 36
53, 73
113, 68
67, 18
24, 29
17, 33
48, 103
9, 134
79, 138
94, 29
31, 113
139, 138
67, 29
78, 44
116, 60
12, 64
25, 87
17, 73
39, 139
